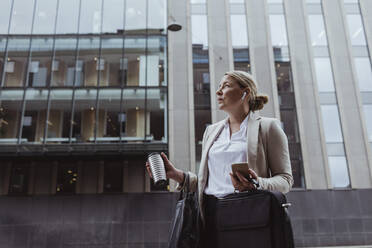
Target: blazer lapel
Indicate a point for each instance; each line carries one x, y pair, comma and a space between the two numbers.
252, 134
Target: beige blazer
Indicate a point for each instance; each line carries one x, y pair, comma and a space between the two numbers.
267, 154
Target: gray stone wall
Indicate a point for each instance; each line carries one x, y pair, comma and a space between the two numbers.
319, 218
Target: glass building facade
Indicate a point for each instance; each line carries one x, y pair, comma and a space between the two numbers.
77, 75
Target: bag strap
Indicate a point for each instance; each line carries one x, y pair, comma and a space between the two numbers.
185, 189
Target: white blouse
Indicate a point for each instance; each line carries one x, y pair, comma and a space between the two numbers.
224, 152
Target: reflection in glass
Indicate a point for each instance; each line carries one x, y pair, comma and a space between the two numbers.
199, 30
19, 179
331, 123
41, 62
135, 49
114, 68
113, 16
364, 73
317, 30
64, 71
67, 20
67, 177
324, 76
133, 114
156, 107
108, 126
45, 15
84, 121
278, 30
135, 15
356, 30
10, 115
88, 65
59, 116
239, 39
367, 108
2, 54
16, 63
90, 16
34, 119
22, 17
5, 6
156, 14
113, 177
339, 171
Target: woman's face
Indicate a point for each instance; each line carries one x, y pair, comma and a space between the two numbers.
229, 94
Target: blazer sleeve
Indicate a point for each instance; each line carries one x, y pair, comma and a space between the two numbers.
193, 185
278, 160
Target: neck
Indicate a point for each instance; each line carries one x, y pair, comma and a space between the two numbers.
238, 116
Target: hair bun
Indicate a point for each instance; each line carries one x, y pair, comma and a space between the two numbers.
259, 102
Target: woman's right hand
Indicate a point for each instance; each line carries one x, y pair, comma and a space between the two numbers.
171, 171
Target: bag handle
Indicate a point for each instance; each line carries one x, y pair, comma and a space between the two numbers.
186, 185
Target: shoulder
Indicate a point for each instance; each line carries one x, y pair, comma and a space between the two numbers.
270, 124
213, 126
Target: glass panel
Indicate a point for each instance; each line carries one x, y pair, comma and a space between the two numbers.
109, 116
284, 77
135, 54
351, 1
331, 123
19, 179
67, 177
113, 179
274, 1
114, 67
156, 106
236, 1
90, 16
84, 115
156, 14
68, 14
313, 1
133, 116
368, 116
339, 172
63, 68
5, 6
22, 17
10, 115
135, 15
16, 65
239, 34
278, 30
317, 30
59, 119
41, 62
198, 1
2, 55
324, 76
199, 30
356, 30
45, 17
88, 64
34, 119
113, 16
364, 73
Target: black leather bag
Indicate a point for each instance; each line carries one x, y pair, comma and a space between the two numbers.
184, 232
256, 218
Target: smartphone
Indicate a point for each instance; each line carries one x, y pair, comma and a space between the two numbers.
242, 168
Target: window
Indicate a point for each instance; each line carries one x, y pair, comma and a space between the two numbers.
368, 116
45, 15
113, 177
10, 115
317, 30
19, 179
356, 30
364, 73
41, 60
68, 14
22, 17
339, 171
331, 123
239, 39
113, 16
5, 6
278, 31
324, 76
67, 177
90, 17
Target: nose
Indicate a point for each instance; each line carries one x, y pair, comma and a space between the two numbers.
219, 91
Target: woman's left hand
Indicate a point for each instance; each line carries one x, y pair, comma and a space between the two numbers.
241, 183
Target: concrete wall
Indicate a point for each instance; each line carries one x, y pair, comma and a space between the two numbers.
319, 218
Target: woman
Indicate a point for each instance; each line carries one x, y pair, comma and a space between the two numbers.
242, 137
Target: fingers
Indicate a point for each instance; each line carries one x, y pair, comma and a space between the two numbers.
234, 181
253, 174
242, 178
165, 158
148, 169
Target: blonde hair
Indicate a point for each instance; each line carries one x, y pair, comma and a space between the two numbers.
244, 79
